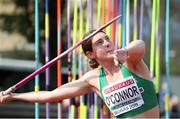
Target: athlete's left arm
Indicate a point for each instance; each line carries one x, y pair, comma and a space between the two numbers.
135, 51
134, 61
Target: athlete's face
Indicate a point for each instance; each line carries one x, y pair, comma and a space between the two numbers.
102, 46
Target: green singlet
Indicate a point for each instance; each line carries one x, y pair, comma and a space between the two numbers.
148, 93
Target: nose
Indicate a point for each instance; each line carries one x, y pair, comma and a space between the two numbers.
106, 43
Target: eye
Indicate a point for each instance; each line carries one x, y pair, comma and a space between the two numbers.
107, 38
99, 42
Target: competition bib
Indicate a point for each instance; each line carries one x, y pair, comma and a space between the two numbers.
122, 96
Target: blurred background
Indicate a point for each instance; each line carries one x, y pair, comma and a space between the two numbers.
19, 31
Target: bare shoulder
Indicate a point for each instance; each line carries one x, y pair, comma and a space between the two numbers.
92, 78
91, 75
139, 68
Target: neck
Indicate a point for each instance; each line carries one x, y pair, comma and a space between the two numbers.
110, 68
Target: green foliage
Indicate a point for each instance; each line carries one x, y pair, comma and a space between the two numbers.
21, 20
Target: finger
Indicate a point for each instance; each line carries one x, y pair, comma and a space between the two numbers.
115, 51
116, 62
1, 94
114, 56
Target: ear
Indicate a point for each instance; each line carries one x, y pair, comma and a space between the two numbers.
90, 55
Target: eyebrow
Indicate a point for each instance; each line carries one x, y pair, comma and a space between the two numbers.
106, 36
101, 38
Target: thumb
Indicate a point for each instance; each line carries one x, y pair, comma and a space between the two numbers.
1, 93
4, 98
116, 62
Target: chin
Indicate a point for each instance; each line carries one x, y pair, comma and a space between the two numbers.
109, 58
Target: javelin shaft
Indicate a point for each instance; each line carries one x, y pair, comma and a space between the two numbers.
31, 76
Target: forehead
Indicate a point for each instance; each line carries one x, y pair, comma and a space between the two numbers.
98, 36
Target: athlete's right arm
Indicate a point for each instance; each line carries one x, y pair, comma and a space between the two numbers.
69, 90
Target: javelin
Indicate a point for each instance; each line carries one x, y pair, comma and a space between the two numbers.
28, 78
